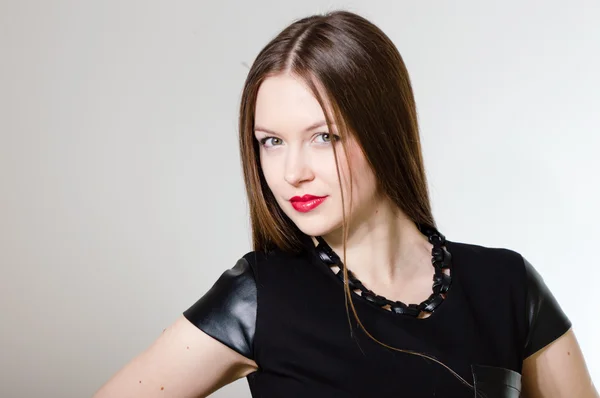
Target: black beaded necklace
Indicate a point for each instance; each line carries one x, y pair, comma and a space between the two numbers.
440, 258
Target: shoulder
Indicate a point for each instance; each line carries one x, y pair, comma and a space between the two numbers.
478, 261
545, 317
510, 272
228, 310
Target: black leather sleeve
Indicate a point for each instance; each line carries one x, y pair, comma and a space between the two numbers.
545, 318
227, 312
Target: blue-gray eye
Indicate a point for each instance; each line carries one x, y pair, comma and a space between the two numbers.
263, 141
328, 137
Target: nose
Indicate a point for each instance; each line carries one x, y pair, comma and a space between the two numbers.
297, 168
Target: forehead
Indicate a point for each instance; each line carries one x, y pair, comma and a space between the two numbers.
285, 103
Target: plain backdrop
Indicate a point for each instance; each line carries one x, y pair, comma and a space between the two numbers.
121, 197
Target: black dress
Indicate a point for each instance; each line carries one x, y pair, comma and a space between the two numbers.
287, 313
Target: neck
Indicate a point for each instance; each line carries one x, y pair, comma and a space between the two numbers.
384, 247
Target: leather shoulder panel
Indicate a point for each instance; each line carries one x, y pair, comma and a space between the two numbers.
227, 312
545, 319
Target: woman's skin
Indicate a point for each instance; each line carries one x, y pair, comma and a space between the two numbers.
385, 250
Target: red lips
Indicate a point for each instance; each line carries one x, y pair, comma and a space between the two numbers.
305, 198
307, 202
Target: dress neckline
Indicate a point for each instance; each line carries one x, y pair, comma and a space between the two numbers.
358, 298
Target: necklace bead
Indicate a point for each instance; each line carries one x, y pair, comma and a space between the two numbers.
441, 260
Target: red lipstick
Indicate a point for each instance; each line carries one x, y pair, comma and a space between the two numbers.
307, 202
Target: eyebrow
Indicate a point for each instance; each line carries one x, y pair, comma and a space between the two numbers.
307, 129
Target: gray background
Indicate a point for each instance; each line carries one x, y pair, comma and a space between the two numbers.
121, 198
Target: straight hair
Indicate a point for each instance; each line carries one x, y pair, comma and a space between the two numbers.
354, 70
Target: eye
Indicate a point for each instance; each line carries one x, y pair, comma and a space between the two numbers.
268, 142
327, 137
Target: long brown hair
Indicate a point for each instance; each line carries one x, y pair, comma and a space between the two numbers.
353, 67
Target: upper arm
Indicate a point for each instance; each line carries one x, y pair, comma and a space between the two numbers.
558, 370
210, 346
183, 362
554, 365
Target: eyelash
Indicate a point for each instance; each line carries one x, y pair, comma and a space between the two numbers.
333, 137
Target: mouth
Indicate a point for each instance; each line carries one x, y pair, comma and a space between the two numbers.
306, 203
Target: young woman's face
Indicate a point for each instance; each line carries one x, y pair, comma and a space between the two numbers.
296, 155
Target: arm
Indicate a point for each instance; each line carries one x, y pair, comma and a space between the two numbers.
553, 365
558, 370
210, 346
169, 368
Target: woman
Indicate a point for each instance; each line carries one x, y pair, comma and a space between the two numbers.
344, 237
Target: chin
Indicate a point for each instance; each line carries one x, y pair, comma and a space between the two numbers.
317, 227
318, 222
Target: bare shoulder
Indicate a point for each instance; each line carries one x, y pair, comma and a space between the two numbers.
182, 361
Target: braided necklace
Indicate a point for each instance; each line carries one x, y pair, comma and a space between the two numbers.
441, 259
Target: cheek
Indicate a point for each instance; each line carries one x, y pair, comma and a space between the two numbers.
357, 166
269, 171
364, 183
273, 173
